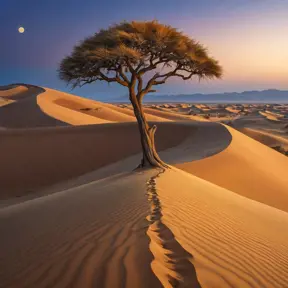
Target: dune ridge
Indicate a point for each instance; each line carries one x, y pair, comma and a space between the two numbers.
12, 91
45, 107
246, 167
103, 246
265, 137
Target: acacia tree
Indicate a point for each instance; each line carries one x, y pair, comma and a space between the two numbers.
139, 56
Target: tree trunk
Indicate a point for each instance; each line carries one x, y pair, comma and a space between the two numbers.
147, 134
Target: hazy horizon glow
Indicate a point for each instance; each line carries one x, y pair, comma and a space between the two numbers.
249, 38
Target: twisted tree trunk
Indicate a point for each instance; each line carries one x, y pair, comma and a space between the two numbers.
147, 134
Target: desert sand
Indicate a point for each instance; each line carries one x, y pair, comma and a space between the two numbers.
268, 138
74, 213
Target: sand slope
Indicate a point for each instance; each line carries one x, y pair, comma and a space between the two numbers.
233, 241
266, 138
198, 235
45, 156
246, 167
13, 91
77, 110
44, 107
104, 244
25, 111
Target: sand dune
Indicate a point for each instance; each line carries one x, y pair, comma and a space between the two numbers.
44, 107
203, 236
129, 111
232, 110
90, 236
270, 116
266, 138
25, 111
220, 225
13, 91
246, 167
167, 115
42, 157
233, 241
5, 101
52, 101
170, 116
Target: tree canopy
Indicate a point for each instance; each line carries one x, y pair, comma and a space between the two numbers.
123, 53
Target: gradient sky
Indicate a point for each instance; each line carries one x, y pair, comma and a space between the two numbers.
248, 37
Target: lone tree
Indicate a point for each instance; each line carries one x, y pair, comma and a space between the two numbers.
139, 56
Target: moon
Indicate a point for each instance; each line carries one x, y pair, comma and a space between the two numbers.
21, 30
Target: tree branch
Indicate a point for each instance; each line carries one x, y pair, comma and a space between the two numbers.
140, 84
153, 81
122, 74
113, 79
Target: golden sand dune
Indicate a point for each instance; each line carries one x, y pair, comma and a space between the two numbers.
5, 101
25, 112
269, 116
266, 137
219, 227
13, 91
76, 110
246, 167
279, 115
129, 111
44, 107
233, 241
172, 116
232, 110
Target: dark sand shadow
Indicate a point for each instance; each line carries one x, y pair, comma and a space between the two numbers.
25, 112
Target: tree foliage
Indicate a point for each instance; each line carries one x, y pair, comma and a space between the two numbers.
125, 52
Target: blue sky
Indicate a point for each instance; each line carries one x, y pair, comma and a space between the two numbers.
249, 38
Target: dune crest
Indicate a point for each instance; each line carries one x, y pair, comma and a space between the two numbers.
246, 167
12, 91
266, 138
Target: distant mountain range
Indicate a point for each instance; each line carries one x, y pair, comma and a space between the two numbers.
265, 96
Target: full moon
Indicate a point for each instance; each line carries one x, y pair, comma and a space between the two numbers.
21, 30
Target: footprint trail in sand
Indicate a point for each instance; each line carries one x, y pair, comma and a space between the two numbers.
172, 263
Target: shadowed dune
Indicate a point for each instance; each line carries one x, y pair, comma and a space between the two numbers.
15, 92
41, 157
25, 112
90, 236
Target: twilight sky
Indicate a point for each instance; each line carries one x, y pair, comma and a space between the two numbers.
248, 37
